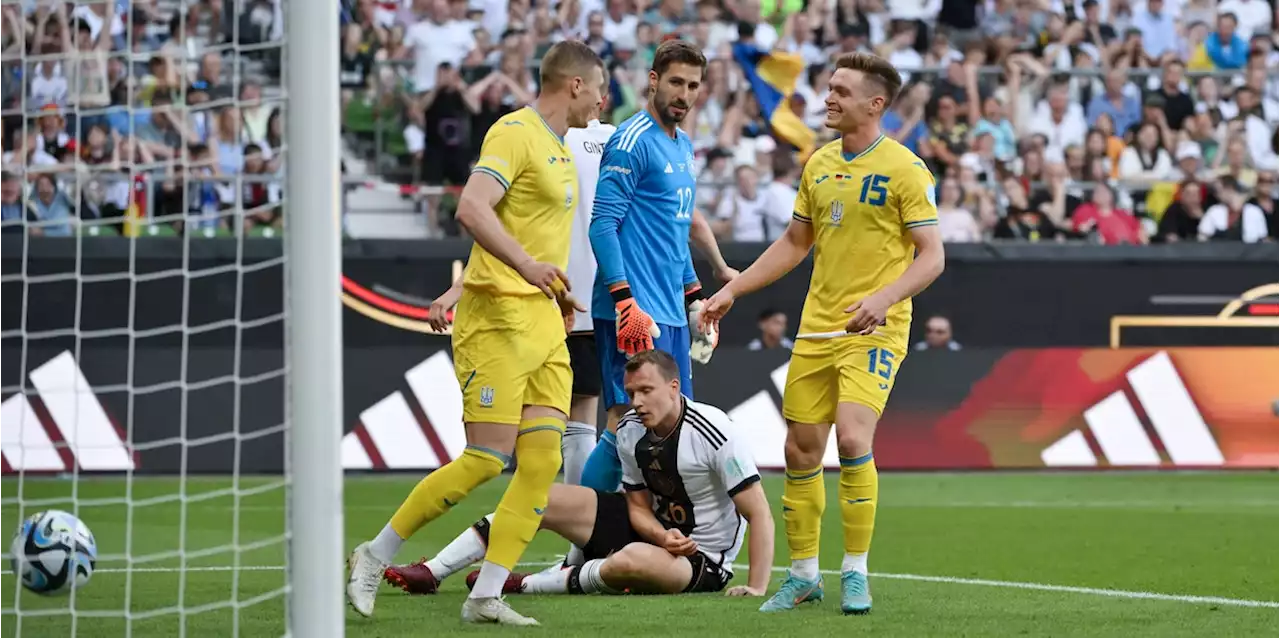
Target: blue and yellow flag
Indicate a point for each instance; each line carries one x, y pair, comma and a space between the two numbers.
773, 80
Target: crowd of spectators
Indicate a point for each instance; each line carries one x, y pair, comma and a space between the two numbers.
1043, 120
141, 108
1111, 121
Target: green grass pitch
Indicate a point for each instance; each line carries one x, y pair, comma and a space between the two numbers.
1088, 554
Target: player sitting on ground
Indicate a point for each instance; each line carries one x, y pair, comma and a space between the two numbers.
689, 480
868, 204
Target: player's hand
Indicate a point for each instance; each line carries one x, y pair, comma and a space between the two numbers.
868, 314
743, 590
727, 274
713, 310
568, 306
545, 276
438, 315
636, 329
677, 544
704, 340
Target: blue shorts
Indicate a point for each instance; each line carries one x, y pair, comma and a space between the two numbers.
674, 341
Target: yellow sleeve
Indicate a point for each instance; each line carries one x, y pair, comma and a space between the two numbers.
800, 212
505, 152
917, 202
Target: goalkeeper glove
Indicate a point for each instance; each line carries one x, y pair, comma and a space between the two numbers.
636, 329
703, 344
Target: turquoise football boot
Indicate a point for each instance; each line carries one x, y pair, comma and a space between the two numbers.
855, 593
794, 591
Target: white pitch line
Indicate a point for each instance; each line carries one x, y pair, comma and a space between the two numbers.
948, 580
1067, 589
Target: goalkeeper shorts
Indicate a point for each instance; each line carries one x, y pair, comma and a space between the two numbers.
673, 340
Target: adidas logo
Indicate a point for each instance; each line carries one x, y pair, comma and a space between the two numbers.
61, 425
1115, 427
668, 171
398, 433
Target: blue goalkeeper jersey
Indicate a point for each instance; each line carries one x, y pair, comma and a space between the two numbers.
642, 213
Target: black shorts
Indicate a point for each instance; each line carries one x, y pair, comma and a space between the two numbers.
442, 168
613, 531
582, 360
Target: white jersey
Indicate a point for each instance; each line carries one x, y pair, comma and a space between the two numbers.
586, 145
692, 474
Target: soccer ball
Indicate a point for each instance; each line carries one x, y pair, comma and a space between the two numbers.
53, 552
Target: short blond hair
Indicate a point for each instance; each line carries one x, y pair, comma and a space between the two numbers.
874, 68
566, 60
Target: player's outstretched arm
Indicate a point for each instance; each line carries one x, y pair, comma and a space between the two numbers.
780, 258
929, 263
754, 506
476, 214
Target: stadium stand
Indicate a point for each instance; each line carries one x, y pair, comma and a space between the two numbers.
1112, 121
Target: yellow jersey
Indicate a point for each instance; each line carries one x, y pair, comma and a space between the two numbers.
536, 168
862, 208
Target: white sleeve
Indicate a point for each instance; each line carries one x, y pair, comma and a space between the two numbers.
1208, 228
632, 479
733, 462
1254, 225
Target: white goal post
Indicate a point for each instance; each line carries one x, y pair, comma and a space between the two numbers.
314, 342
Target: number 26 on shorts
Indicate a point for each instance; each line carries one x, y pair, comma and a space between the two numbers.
880, 362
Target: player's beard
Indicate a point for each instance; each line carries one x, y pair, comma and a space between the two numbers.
662, 108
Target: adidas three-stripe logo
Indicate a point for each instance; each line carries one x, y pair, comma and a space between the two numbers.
61, 425
1116, 428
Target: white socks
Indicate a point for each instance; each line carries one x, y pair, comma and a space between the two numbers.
578, 442
854, 563
579, 439
589, 579
385, 545
551, 581
462, 551
805, 568
489, 583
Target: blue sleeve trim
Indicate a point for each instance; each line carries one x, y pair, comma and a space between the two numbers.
923, 222
494, 174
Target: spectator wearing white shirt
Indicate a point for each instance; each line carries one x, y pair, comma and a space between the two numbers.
781, 192
744, 213
1145, 160
1234, 219
899, 49
1252, 16
437, 40
1061, 122
956, 223
618, 20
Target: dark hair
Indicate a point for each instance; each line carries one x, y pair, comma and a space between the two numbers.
768, 313
665, 364
678, 52
565, 60
783, 164
876, 69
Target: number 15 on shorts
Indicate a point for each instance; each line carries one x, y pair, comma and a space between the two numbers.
880, 362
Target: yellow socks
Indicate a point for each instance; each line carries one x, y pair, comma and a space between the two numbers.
520, 511
446, 487
804, 497
859, 486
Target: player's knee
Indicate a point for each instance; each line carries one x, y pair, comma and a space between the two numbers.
624, 565
799, 455
854, 443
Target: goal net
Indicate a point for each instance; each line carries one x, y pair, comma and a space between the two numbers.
147, 332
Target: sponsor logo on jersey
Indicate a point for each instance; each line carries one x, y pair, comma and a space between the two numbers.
59, 425
618, 169
668, 169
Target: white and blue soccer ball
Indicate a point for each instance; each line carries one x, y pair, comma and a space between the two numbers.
53, 552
